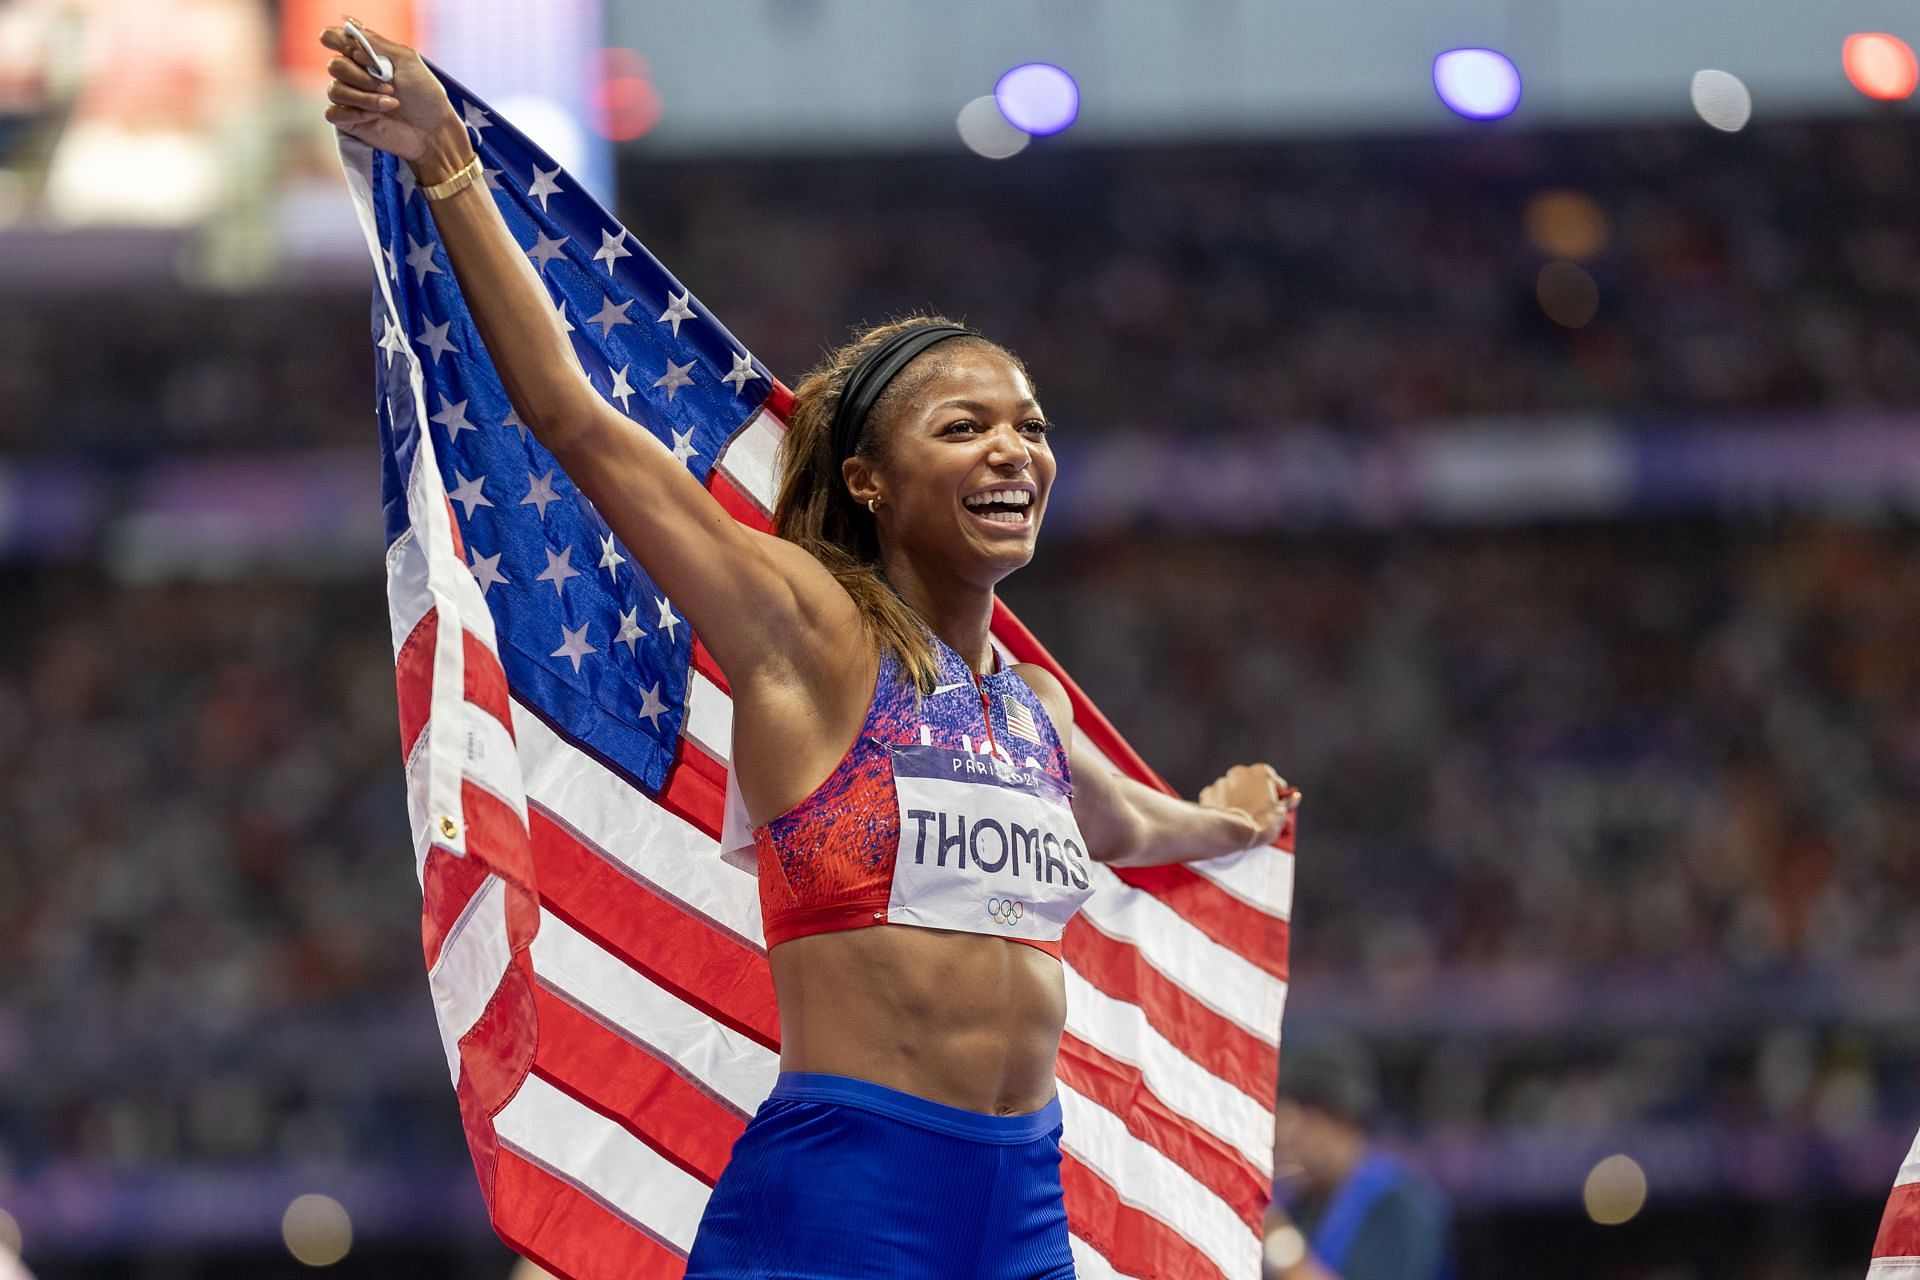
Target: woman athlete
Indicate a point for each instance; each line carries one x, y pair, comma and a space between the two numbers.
921, 835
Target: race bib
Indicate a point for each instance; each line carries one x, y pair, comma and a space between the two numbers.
985, 845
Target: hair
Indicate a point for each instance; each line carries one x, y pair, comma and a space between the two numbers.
814, 510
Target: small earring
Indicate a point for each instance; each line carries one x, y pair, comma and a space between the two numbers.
873, 506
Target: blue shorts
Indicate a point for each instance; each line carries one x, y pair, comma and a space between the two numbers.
837, 1178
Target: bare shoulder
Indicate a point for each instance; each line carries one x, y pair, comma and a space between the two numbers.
1052, 694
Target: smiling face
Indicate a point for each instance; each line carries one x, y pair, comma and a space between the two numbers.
963, 468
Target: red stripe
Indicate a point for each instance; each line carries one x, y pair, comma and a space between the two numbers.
1900, 1227
1134, 1241
708, 969
485, 679
497, 1051
737, 503
447, 885
1210, 1039
569, 1233
696, 789
1123, 1090
704, 663
779, 403
495, 837
413, 677
636, 1089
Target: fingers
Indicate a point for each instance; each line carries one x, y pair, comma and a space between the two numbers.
346, 96
348, 117
356, 76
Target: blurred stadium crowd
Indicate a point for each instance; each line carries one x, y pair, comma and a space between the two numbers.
1608, 828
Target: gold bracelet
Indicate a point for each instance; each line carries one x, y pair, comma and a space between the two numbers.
469, 173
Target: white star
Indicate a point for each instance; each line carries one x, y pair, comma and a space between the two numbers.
559, 568
610, 560
560, 314
392, 342
683, 447
454, 418
486, 569
491, 177
630, 631
543, 185
677, 310
468, 492
676, 377
610, 315
650, 705
743, 372
575, 645
667, 619
611, 249
475, 118
540, 492
403, 172
435, 340
621, 391
393, 270
420, 258
513, 420
544, 249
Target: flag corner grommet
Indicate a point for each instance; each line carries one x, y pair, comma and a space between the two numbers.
449, 829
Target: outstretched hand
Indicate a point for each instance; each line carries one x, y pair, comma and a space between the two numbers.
396, 115
1256, 793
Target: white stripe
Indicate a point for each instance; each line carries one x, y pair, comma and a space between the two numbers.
493, 761
1121, 1031
1261, 878
1090, 1264
591, 1151
751, 459
720, 1059
1155, 1185
710, 717
1910, 1168
669, 853
407, 596
1887, 1268
473, 958
1219, 978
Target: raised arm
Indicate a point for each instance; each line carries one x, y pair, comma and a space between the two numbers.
1129, 824
757, 601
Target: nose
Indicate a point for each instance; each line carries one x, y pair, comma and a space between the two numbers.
1007, 450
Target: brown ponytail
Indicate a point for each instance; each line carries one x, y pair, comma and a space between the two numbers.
815, 511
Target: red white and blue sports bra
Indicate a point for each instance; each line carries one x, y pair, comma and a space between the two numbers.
951, 810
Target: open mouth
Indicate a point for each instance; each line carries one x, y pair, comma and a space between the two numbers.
1012, 506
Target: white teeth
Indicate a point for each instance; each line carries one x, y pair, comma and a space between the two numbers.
1014, 497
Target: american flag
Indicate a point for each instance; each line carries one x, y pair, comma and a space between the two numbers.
596, 964
1896, 1251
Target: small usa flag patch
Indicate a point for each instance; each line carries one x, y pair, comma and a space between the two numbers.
1020, 722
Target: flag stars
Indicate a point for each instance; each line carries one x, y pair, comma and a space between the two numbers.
545, 249
454, 418
630, 631
676, 376
468, 492
650, 705
513, 420
403, 174
392, 341
540, 492
475, 118
622, 389
486, 569
434, 338
543, 185
393, 269
678, 308
492, 178
610, 315
610, 560
683, 446
667, 621
574, 645
559, 569
420, 259
743, 372
560, 314
611, 249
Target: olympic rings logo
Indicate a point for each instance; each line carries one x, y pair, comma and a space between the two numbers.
1006, 910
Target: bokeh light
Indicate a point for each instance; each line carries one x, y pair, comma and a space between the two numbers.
1284, 1248
557, 130
1722, 100
1480, 84
1567, 294
988, 133
317, 1230
1879, 65
1038, 98
626, 105
1567, 224
1616, 1190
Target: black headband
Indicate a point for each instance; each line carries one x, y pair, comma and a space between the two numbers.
876, 369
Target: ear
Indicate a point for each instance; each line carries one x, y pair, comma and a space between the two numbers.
861, 480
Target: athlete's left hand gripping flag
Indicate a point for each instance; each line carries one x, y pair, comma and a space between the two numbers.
597, 967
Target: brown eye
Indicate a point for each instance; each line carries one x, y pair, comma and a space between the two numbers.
1037, 426
965, 424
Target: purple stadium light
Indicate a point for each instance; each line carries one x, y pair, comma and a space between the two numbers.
1038, 98
1480, 84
